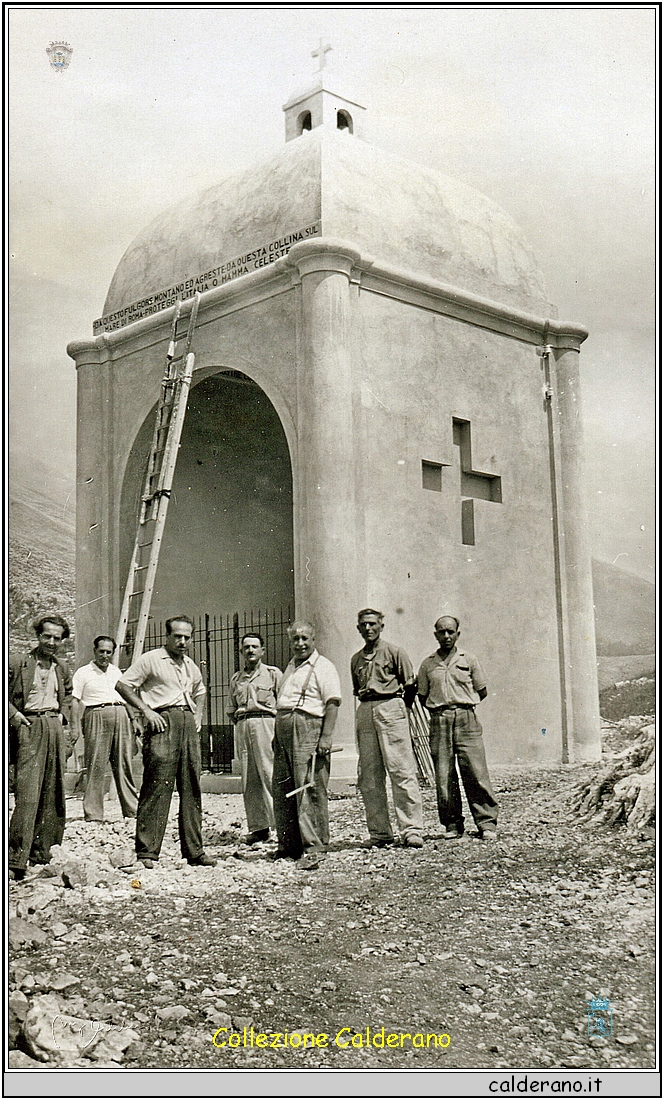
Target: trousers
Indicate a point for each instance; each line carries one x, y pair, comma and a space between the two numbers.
253, 744
384, 745
457, 735
302, 821
171, 758
108, 737
38, 820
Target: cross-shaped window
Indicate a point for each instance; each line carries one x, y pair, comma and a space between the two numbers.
474, 484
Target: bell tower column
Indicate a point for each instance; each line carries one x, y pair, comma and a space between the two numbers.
325, 517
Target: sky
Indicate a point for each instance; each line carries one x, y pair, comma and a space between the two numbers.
549, 111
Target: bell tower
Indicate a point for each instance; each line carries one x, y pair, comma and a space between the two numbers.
323, 104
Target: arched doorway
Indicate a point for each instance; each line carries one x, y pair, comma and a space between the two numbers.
228, 542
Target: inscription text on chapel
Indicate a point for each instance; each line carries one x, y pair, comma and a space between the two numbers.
254, 260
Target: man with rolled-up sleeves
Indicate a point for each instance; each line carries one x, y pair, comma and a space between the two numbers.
253, 694
167, 688
384, 683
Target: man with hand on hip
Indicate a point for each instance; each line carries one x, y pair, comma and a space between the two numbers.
167, 687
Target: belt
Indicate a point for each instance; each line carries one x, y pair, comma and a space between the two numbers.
42, 713
172, 706
379, 698
453, 706
99, 706
256, 714
297, 710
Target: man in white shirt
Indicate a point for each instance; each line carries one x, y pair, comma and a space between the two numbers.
307, 705
167, 687
107, 733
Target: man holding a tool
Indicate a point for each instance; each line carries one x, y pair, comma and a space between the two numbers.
107, 732
254, 700
307, 706
384, 683
450, 684
167, 688
39, 743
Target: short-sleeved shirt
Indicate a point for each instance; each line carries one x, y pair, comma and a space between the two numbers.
321, 686
386, 671
93, 686
458, 681
162, 682
255, 690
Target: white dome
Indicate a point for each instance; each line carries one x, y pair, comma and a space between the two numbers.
389, 208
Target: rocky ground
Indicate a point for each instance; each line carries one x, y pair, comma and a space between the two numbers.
500, 947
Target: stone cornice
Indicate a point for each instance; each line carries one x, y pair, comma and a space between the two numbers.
465, 306
323, 254
328, 254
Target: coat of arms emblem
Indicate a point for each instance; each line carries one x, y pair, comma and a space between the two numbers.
59, 54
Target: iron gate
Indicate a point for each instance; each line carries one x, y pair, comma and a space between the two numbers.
215, 647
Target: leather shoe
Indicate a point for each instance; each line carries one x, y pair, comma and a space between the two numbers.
489, 834
16, 874
386, 843
279, 854
414, 842
451, 834
258, 837
202, 861
147, 863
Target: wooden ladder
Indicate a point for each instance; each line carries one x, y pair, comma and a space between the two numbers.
171, 411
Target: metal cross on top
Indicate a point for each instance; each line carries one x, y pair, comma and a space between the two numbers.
320, 53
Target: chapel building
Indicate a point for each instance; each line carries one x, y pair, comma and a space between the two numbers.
385, 412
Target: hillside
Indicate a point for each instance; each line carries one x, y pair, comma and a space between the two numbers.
624, 612
41, 559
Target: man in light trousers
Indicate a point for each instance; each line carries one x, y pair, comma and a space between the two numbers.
107, 732
384, 683
254, 699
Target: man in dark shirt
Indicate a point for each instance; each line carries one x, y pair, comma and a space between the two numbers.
384, 683
39, 710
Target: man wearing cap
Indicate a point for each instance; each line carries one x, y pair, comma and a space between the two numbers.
167, 687
308, 700
450, 684
107, 733
39, 711
384, 683
254, 699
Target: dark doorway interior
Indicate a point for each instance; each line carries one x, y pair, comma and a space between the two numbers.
228, 541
